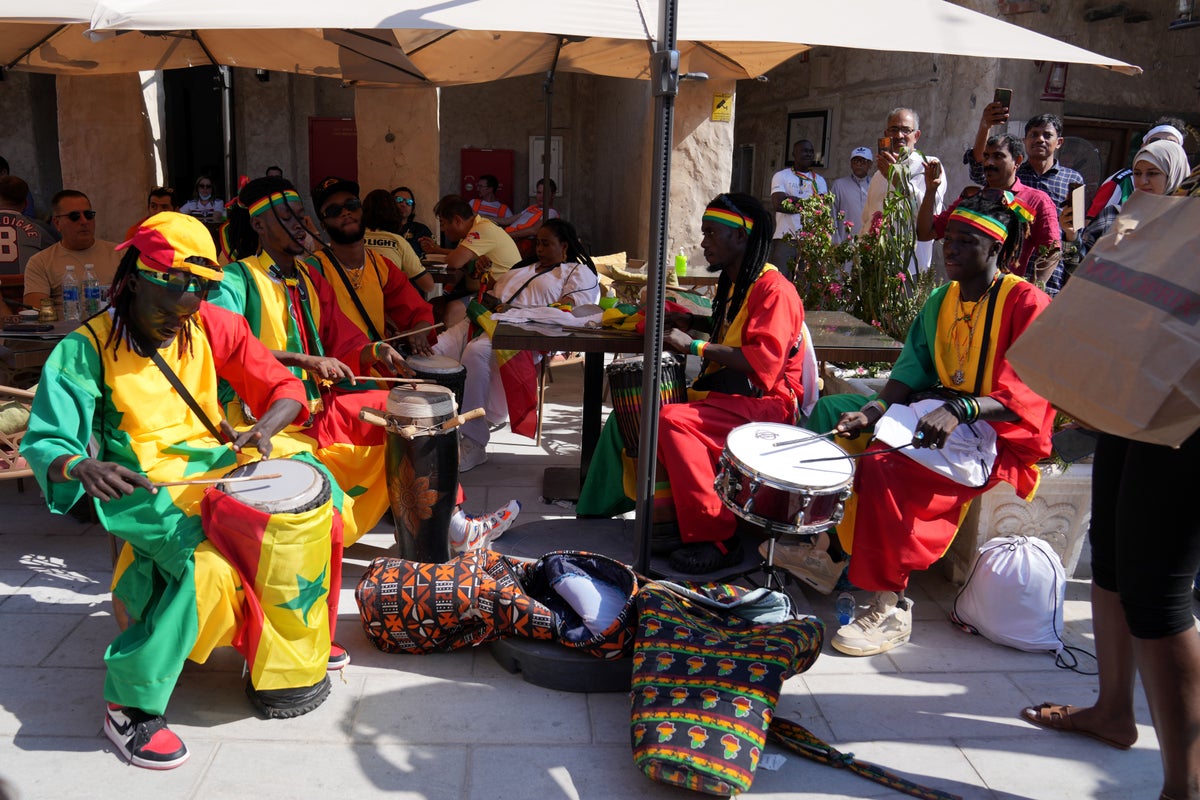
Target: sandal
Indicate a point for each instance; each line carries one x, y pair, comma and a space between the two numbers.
1058, 718
706, 557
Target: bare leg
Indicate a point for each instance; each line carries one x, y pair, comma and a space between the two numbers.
1170, 670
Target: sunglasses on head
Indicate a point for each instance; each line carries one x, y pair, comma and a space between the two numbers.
178, 281
336, 209
75, 215
408, 201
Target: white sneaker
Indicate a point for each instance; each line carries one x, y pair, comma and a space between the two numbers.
808, 564
469, 532
470, 454
887, 623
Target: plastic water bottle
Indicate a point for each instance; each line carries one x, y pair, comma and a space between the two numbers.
845, 608
680, 263
91, 291
70, 294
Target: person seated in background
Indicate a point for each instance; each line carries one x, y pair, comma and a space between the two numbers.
487, 204
562, 273
752, 370
161, 198
412, 231
372, 291
204, 205
22, 236
524, 226
273, 172
100, 386
953, 396
482, 249
381, 219
75, 220
296, 314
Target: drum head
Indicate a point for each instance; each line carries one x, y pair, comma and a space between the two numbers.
423, 401
784, 456
298, 485
434, 365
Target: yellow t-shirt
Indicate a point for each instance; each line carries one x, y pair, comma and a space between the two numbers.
486, 238
397, 250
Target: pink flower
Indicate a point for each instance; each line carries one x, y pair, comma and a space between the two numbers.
901, 276
876, 223
835, 289
849, 224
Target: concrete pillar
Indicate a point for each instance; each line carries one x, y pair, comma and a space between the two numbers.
398, 142
115, 170
701, 164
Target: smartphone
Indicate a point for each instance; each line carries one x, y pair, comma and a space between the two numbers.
1003, 97
885, 144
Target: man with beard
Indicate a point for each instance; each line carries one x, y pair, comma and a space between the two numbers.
1040, 169
372, 292
789, 186
1041, 252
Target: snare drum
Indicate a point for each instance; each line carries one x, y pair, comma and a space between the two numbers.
625, 389
422, 471
445, 371
788, 480
284, 539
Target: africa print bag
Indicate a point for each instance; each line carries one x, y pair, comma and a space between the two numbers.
708, 666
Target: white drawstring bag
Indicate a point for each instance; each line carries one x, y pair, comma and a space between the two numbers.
1014, 595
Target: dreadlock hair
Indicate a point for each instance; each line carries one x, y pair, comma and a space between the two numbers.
243, 235
122, 298
758, 245
239, 239
990, 203
565, 232
379, 212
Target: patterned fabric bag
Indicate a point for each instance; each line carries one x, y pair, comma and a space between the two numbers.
582, 600
708, 666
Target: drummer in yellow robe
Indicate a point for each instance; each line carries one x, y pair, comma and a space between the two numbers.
108, 423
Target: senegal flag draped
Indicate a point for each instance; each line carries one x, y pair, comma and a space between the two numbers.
518, 372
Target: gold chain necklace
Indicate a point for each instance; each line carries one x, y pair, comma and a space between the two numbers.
962, 349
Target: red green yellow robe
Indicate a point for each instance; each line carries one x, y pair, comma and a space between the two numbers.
183, 597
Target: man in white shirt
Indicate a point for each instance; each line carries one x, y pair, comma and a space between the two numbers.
788, 186
850, 193
902, 169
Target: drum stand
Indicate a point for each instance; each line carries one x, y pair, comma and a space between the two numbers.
774, 577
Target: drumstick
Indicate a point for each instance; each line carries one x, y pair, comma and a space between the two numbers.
392, 380
857, 455
806, 440
409, 431
203, 481
413, 332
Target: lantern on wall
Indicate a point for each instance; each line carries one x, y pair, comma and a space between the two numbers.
1185, 16
1056, 82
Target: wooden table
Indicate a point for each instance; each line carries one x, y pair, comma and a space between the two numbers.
838, 336
561, 483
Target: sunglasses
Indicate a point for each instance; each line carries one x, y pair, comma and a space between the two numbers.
75, 215
205, 185
179, 282
336, 209
408, 201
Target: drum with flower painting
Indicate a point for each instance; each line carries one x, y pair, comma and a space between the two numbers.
422, 470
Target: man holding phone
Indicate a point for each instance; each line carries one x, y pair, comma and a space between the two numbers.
1043, 138
902, 170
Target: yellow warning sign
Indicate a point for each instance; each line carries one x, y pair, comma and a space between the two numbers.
722, 107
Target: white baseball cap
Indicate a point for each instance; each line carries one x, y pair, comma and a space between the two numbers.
1159, 131
862, 152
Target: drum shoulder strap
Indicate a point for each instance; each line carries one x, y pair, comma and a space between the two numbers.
337, 265
177, 384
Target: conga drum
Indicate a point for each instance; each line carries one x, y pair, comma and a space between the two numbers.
625, 390
445, 371
422, 470
278, 534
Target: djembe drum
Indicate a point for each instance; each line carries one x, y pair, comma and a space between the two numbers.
625, 389
442, 370
279, 535
422, 470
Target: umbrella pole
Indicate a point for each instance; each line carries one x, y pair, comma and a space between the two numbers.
665, 85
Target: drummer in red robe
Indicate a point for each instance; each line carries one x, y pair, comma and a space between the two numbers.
751, 371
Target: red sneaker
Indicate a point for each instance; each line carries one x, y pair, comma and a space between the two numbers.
338, 657
143, 739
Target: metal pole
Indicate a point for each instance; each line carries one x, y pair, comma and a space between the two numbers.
548, 90
227, 130
665, 83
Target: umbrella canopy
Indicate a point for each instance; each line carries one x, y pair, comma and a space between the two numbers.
484, 40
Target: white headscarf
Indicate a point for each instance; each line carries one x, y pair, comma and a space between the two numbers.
1167, 156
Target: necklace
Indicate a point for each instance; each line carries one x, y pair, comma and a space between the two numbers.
967, 319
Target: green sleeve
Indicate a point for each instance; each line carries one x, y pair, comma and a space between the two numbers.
231, 291
915, 367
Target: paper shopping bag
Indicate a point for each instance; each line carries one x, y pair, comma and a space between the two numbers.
1119, 348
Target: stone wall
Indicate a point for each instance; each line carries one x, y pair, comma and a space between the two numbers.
29, 136
105, 148
399, 142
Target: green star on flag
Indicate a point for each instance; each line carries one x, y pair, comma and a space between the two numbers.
309, 593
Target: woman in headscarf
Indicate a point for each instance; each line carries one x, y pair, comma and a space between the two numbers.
1143, 564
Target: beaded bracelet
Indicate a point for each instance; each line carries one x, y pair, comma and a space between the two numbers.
70, 462
375, 350
876, 404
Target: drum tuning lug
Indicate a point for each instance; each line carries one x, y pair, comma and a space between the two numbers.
845, 493
839, 511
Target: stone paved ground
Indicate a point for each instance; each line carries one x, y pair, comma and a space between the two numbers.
941, 710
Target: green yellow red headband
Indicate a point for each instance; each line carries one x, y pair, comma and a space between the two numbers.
727, 217
286, 197
982, 222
